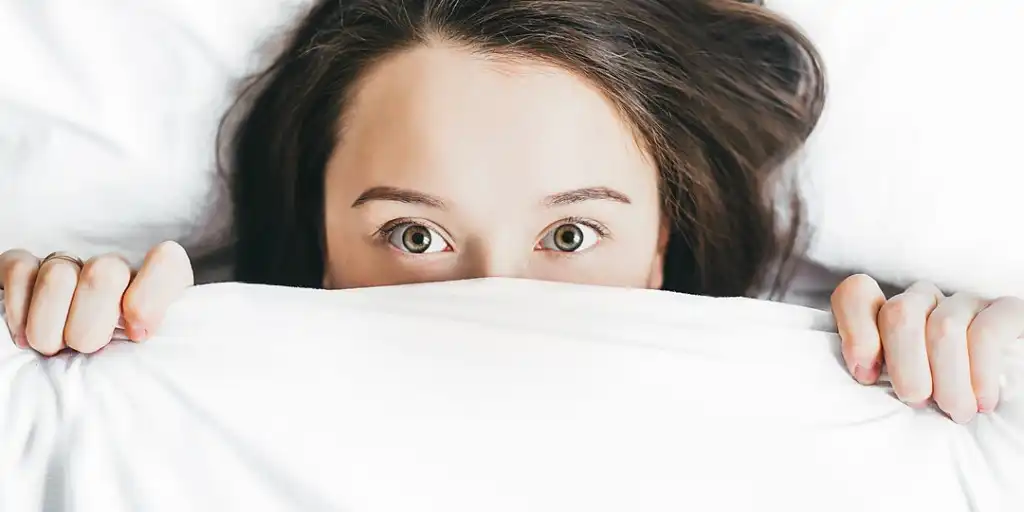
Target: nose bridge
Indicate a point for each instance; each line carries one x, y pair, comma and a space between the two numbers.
493, 258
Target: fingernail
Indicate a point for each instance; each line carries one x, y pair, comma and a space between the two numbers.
865, 375
850, 365
985, 405
859, 373
21, 341
137, 333
918, 405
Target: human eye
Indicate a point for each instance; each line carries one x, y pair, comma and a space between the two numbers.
572, 235
413, 237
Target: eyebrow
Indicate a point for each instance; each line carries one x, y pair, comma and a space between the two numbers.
586, 194
401, 195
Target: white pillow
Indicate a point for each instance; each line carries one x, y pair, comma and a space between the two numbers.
108, 112
493, 395
915, 172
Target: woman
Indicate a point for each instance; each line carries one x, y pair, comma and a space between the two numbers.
614, 142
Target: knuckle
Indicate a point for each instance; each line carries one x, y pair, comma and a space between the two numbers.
173, 255
924, 291
1015, 304
943, 326
14, 256
981, 332
58, 277
105, 271
851, 286
169, 251
20, 270
860, 280
895, 313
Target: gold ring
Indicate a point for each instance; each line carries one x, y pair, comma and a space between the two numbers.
70, 258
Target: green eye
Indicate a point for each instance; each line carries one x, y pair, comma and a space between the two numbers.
570, 237
416, 239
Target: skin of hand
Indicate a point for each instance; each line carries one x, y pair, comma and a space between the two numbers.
935, 348
57, 305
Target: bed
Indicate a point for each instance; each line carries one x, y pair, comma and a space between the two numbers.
500, 394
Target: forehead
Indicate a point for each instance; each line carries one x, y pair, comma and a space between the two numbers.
449, 121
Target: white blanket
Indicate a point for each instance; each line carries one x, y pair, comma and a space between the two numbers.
487, 395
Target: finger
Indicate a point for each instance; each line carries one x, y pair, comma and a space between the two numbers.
901, 322
855, 304
164, 275
1001, 322
949, 358
17, 277
96, 304
51, 300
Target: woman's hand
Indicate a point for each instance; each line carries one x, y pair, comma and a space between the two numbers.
936, 348
61, 302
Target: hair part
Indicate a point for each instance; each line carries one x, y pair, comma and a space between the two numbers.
722, 93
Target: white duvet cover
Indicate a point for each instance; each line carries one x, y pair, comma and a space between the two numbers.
493, 395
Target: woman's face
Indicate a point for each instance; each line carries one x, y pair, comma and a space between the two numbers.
455, 165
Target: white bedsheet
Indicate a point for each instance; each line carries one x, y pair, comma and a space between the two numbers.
486, 395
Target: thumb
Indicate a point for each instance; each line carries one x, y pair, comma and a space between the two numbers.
165, 274
855, 304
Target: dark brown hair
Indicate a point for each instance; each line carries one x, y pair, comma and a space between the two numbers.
723, 93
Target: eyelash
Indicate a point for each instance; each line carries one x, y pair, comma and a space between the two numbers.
384, 232
601, 229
